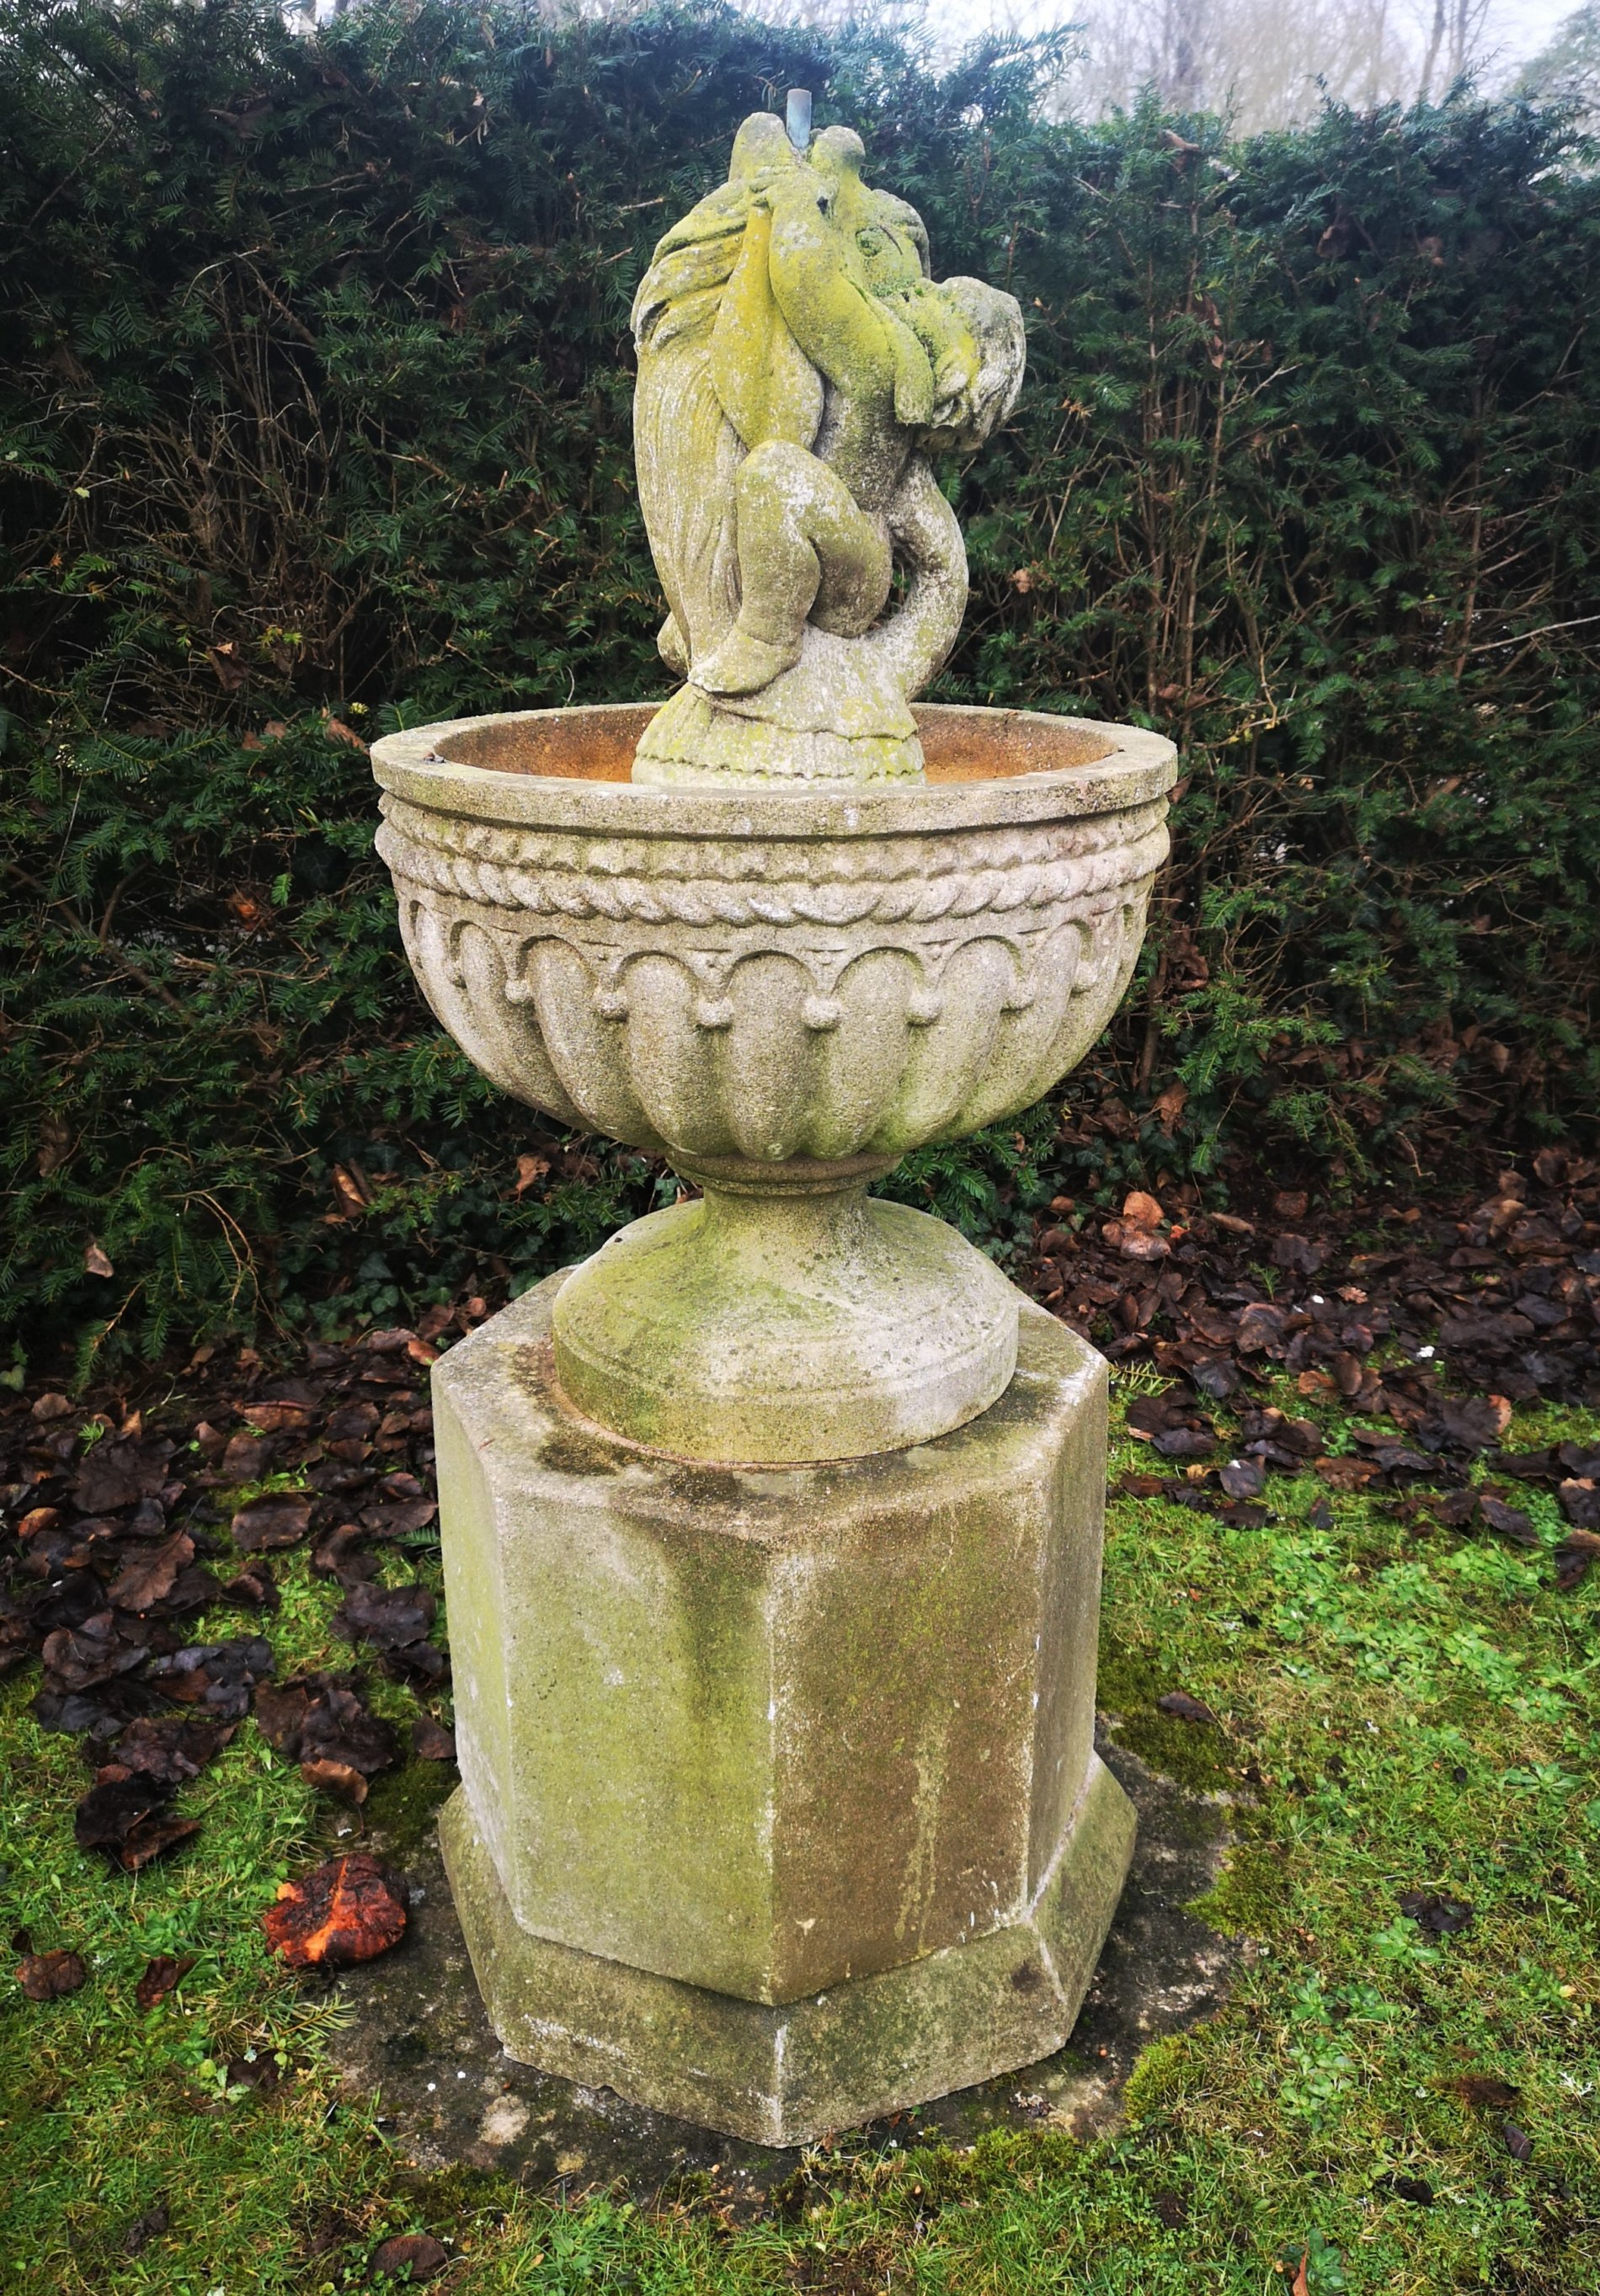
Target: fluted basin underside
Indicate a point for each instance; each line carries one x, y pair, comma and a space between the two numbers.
763, 978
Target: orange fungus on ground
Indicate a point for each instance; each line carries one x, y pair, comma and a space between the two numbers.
351, 1909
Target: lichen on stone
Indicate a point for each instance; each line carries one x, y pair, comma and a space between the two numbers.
797, 367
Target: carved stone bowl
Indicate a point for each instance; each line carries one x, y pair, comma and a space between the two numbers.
781, 990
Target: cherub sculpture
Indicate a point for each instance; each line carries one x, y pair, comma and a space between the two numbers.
797, 369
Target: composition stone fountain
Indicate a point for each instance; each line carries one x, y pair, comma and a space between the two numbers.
772, 1532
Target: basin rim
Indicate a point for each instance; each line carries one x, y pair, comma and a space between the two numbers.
1138, 768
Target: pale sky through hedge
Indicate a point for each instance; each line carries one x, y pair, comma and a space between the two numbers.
1517, 29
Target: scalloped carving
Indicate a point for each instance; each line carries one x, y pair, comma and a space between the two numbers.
775, 999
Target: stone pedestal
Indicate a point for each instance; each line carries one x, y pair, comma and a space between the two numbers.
779, 1804
786, 1316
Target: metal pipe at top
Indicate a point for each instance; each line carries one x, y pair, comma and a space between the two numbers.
797, 118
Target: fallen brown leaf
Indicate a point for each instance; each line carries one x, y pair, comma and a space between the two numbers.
246, 1459
336, 1778
1510, 1522
119, 1470
149, 2225
1485, 2089
414, 2256
164, 1752
1186, 1709
530, 1171
1260, 1329
387, 1617
320, 1718
271, 1523
1574, 1557
349, 1203
1439, 1916
94, 1652
430, 1741
163, 1973
255, 1587
1580, 1498
1415, 2189
1183, 1443
131, 1821
216, 1677
148, 1577
1347, 1474
48, 1976
280, 1416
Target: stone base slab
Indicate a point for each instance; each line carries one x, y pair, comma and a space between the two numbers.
787, 2073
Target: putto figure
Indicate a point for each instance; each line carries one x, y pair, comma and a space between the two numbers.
797, 369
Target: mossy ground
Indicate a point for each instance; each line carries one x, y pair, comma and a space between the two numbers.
1401, 1706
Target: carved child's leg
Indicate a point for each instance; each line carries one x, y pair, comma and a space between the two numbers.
807, 552
670, 645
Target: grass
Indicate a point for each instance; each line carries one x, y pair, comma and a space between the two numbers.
1402, 1707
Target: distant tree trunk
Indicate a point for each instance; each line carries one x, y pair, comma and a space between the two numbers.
1376, 47
1183, 77
1424, 86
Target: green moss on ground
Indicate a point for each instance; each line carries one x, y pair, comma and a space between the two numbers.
403, 1805
1400, 1707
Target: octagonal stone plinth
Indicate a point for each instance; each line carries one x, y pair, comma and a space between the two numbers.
779, 1804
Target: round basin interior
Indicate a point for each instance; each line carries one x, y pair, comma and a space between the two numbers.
598, 744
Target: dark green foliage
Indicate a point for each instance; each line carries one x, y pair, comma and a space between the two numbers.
1320, 438
314, 418
215, 1019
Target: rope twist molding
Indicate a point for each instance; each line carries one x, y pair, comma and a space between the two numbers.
782, 883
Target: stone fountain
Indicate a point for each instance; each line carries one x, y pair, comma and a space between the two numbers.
772, 1532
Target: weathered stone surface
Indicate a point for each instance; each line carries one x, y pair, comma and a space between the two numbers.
774, 975
785, 2074
763, 1731
766, 1734
779, 1800
417, 2031
782, 992
797, 367
787, 1313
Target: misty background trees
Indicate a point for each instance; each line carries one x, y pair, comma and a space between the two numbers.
1268, 64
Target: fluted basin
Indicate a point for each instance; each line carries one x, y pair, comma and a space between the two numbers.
781, 990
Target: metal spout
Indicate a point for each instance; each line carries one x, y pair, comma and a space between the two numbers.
797, 118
